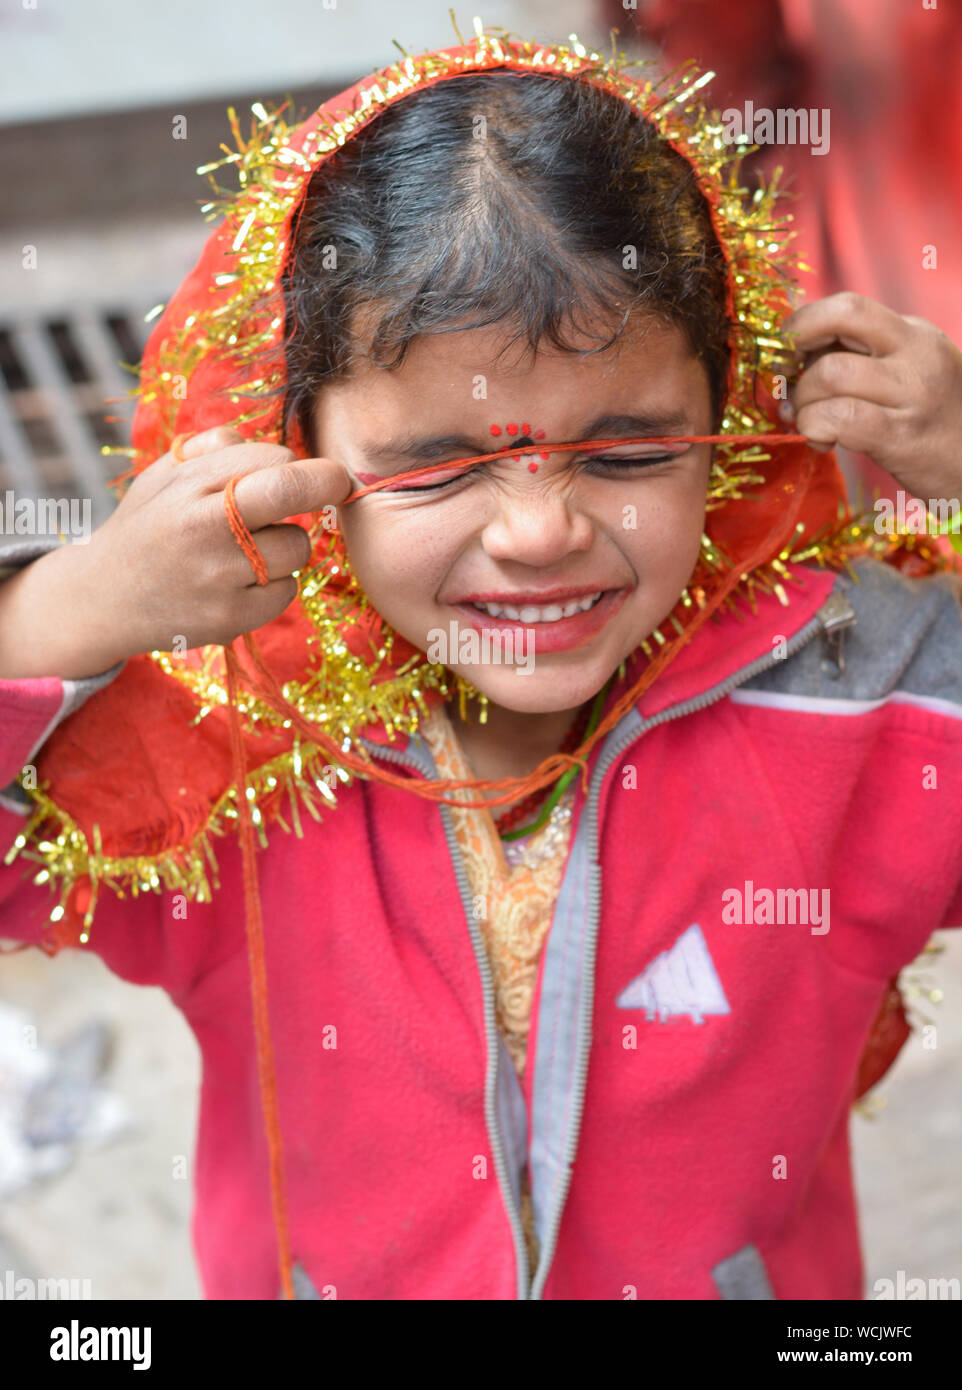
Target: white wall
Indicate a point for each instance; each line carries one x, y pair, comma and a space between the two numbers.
72, 57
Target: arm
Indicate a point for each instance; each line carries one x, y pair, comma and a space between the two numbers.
890, 385
165, 565
140, 939
30, 709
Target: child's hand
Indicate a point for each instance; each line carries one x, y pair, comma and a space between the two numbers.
165, 564
884, 384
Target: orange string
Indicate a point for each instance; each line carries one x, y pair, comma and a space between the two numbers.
254, 925
506, 451
242, 536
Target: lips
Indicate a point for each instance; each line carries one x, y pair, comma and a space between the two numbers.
552, 633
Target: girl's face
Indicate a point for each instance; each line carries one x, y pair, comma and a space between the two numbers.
585, 552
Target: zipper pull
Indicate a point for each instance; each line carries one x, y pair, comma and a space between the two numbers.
835, 615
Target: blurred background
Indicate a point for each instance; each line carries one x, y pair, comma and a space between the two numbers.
99, 222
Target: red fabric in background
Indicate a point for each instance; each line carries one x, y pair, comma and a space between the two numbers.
890, 185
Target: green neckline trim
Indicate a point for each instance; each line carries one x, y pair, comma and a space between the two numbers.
566, 777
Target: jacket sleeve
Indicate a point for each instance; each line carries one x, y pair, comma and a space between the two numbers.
31, 709
869, 755
133, 936
953, 915
921, 859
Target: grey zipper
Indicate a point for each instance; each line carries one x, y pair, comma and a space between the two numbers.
490, 1024
829, 618
836, 615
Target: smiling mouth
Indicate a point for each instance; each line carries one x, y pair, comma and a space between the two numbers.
530, 614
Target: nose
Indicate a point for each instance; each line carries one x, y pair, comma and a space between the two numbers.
536, 525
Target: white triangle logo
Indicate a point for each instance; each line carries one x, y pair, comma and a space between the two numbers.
681, 980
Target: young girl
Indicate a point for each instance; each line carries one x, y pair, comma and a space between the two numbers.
568, 850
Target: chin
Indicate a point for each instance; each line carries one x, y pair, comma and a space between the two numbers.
543, 691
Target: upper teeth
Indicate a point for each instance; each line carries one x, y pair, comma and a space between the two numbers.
550, 613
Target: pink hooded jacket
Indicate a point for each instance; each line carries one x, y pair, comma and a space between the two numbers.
768, 837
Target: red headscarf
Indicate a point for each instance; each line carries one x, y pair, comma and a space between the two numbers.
220, 341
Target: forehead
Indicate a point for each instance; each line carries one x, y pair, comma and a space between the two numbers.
478, 376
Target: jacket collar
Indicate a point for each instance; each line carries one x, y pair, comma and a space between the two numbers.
733, 640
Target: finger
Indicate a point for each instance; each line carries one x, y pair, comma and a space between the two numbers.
268, 495
858, 323
858, 425
242, 610
213, 470
263, 603
167, 467
285, 548
846, 374
207, 442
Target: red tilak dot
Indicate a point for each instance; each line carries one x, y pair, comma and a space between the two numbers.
545, 456
538, 434
512, 429
495, 429
532, 468
525, 429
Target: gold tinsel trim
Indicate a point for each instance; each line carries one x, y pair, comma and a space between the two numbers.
295, 777
337, 692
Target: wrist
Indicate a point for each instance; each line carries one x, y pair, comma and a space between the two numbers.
51, 623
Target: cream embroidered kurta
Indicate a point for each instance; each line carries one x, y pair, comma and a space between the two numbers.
514, 887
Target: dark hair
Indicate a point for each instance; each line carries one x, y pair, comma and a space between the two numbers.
500, 196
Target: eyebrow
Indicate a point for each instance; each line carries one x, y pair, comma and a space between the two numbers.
419, 450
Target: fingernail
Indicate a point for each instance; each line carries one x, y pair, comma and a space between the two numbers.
177, 445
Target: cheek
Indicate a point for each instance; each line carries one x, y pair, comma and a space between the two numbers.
667, 527
397, 556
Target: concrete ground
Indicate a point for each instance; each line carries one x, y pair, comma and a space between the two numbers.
119, 1215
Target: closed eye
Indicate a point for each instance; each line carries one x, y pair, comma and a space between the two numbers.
433, 487
643, 461
600, 462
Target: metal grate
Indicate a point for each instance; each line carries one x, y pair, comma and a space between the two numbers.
64, 394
